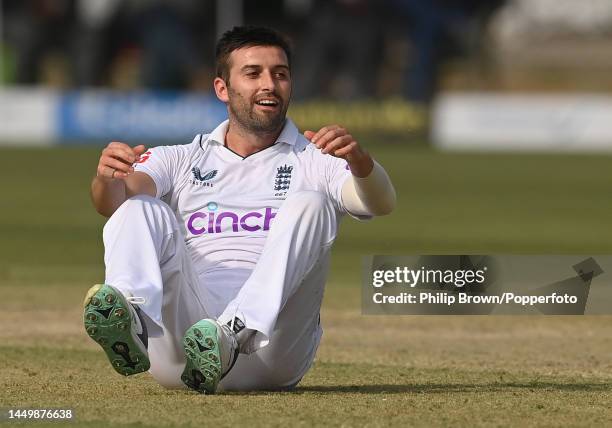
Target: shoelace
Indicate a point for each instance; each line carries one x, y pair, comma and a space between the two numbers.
135, 300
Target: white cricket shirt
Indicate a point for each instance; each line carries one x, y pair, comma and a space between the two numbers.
226, 204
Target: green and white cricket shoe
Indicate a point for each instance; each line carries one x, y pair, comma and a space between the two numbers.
211, 349
116, 325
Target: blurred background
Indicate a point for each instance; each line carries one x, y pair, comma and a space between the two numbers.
479, 74
492, 117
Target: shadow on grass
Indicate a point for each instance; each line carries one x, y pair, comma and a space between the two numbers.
437, 388
452, 387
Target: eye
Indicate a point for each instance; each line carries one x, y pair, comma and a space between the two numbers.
252, 74
281, 75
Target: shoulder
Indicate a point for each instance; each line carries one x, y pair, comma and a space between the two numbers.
182, 149
171, 154
304, 149
315, 163
310, 158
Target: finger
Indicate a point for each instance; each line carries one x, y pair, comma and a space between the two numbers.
117, 164
317, 134
117, 174
124, 159
127, 162
113, 173
131, 153
104, 170
323, 131
110, 172
118, 145
139, 149
343, 151
124, 153
337, 143
309, 134
329, 136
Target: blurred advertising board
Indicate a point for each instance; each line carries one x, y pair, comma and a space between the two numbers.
95, 116
27, 117
41, 117
522, 122
459, 121
386, 116
37, 117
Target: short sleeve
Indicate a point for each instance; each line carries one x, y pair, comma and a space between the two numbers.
159, 163
335, 173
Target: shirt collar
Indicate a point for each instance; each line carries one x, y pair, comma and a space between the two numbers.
288, 135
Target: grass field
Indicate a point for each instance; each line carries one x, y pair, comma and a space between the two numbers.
370, 371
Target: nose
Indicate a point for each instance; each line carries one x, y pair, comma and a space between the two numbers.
267, 81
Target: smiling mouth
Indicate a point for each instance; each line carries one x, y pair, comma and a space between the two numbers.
267, 103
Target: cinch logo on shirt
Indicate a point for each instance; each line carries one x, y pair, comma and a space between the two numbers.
210, 222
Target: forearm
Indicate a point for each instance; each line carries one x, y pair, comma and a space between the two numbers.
369, 190
372, 194
360, 163
107, 194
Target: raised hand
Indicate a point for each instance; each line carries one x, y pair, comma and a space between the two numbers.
117, 159
336, 141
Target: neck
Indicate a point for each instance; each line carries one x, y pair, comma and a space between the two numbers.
245, 142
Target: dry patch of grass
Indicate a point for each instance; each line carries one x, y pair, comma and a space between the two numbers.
372, 371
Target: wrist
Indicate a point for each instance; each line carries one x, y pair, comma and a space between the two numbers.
361, 164
105, 179
108, 183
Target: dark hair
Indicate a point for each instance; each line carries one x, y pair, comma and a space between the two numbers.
243, 37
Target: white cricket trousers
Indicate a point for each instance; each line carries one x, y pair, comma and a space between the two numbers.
145, 255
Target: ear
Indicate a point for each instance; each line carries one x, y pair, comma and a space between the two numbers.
221, 89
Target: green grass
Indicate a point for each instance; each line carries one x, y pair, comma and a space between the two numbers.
374, 371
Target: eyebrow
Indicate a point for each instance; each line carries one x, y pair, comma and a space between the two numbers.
258, 67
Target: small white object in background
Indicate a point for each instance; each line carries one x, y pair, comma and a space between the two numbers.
27, 117
522, 122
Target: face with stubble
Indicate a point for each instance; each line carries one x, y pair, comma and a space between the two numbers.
258, 89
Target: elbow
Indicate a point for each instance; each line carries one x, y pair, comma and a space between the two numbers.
104, 211
385, 210
385, 206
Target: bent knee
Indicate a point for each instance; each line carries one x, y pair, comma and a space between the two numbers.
140, 202
140, 209
139, 206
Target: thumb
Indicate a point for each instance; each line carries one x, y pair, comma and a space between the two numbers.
309, 134
140, 149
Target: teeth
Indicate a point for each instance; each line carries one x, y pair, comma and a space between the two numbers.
267, 102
